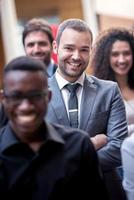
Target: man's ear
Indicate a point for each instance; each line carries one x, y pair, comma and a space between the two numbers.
54, 47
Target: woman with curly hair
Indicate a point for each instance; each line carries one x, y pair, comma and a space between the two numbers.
112, 58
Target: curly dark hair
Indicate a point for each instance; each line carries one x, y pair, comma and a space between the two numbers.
100, 55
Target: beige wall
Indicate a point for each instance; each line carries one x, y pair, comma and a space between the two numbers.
109, 21
27, 8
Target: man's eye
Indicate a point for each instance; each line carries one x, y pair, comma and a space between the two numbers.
68, 48
43, 44
84, 51
30, 45
37, 96
15, 97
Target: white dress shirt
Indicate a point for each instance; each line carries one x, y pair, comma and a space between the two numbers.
65, 93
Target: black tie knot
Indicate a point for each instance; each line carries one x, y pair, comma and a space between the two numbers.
72, 87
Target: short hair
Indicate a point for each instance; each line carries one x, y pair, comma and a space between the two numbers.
25, 63
74, 23
37, 24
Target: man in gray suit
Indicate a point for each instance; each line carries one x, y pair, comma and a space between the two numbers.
101, 111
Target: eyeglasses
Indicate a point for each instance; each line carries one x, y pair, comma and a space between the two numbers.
17, 97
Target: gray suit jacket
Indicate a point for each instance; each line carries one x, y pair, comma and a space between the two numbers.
102, 111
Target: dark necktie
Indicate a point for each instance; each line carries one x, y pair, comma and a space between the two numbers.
73, 104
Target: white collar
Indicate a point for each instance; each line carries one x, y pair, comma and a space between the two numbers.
62, 82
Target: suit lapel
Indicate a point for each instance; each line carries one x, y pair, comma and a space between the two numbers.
57, 102
87, 102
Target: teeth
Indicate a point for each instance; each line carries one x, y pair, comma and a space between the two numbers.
75, 65
122, 66
26, 119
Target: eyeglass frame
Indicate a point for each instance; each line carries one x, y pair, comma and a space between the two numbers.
17, 97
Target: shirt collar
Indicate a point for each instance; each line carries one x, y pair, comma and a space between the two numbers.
62, 82
8, 138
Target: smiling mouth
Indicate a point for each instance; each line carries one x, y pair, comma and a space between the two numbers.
37, 57
75, 65
26, 118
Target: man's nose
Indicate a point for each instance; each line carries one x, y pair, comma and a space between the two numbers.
36, 47
76, 55
25, 104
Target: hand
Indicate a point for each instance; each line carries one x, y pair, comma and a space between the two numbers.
99, 141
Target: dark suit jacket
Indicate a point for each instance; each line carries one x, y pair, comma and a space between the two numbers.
102, 111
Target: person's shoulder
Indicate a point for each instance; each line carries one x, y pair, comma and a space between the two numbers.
103, 85
52, 82
99, 81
